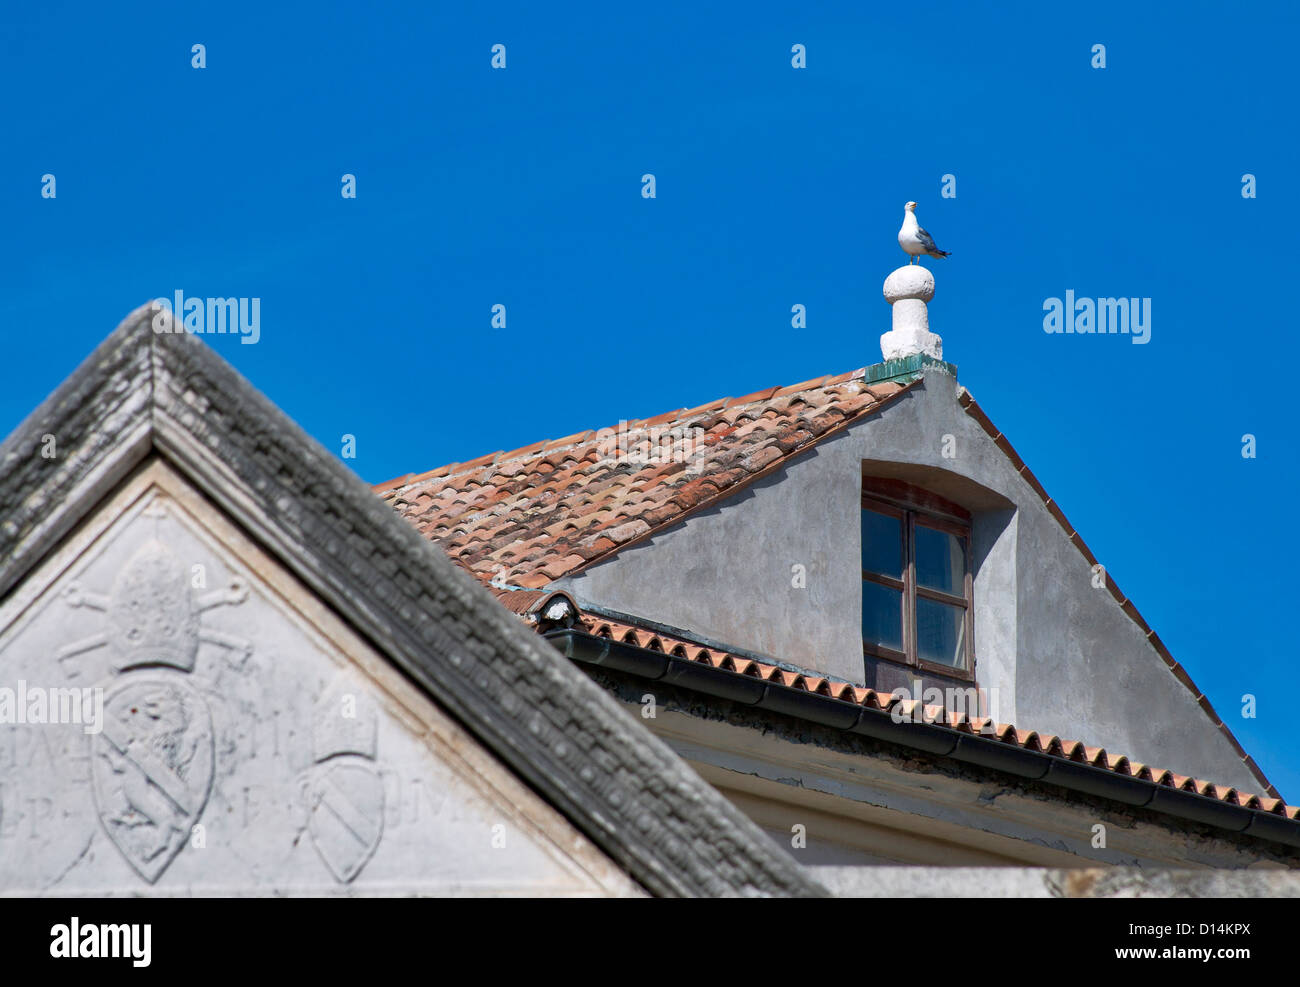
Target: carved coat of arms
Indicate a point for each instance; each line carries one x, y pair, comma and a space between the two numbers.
152, 764
152, 768
344, 789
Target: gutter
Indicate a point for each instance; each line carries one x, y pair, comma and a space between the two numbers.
932, 738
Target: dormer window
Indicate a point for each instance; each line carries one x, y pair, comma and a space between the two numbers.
916, 579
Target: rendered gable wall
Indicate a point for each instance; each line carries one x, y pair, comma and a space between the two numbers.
1055, 653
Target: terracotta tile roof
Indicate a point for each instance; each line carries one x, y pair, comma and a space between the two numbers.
1007, 733
527, 517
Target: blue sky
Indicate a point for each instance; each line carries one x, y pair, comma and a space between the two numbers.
775, 186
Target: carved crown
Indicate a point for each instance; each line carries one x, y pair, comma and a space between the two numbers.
151, 615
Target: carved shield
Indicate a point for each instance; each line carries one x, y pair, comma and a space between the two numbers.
346, 799
152, 768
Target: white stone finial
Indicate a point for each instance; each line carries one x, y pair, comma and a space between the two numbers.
907, 290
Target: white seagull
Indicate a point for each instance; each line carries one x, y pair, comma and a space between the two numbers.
915, 240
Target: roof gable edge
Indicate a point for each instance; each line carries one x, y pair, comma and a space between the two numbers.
78, 444
968, 404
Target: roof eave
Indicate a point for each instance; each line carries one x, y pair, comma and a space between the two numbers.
934, 738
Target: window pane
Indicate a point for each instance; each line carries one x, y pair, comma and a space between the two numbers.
882, 544
940, 633
940, 560
882, 615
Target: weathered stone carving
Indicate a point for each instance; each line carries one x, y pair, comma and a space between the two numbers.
152, 765
152, 768
153, 617
301, 766
344, 789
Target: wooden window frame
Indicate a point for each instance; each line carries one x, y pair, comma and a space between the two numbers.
910, 504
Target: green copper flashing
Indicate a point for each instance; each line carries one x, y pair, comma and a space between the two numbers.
906, 369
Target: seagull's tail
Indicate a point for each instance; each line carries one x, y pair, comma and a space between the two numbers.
936, 252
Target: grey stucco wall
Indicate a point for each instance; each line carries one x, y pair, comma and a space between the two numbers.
1053, 653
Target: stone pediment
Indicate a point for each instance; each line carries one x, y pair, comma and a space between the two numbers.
97, 578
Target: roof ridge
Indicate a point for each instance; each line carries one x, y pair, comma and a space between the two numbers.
565, 505
546, 447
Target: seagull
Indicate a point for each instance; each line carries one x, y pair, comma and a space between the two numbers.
915, 240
